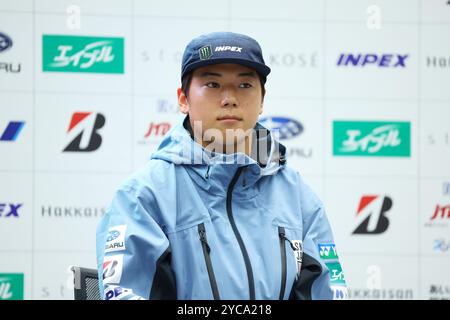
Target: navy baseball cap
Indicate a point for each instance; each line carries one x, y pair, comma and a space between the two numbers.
224, 47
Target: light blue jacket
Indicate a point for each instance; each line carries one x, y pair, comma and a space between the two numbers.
196, 225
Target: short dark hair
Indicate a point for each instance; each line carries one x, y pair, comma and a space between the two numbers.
186, 83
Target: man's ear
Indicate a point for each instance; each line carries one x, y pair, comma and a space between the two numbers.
262, 108
182, 101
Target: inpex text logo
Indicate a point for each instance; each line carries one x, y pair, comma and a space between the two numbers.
85, 126
5, 42
115, 239
10, 210
371, 139
285, 128
12, 131
82, 54
11, 286
228, 48
374, 59
371, 214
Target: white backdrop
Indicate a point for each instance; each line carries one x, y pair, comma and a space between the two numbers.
51, 199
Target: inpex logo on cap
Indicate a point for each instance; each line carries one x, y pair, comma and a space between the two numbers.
228, 48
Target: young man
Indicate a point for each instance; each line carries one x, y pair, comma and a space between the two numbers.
216, 213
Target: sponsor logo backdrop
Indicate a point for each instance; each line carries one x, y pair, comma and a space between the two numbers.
358, 90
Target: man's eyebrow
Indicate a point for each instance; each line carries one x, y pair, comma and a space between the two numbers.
245, 74
248, 74
208, 73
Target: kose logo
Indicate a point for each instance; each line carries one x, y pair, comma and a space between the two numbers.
300, 60
362, 138
12, 131
371, 214
82, 54
285, 128
11, 286
10, 210
85, 126
5, 42
380, 60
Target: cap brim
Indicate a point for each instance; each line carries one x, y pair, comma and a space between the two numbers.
261, 69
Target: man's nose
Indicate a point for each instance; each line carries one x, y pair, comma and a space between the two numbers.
229, 99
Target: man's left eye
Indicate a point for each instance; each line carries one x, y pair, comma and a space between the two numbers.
245, 85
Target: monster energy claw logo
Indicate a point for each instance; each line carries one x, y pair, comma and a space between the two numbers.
205, 52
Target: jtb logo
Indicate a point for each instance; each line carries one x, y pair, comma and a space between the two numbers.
85, 125
382, 139
383, 60
441, 212
82, 54
11, 286
12, 131
157, 129
372, 211
9, 210
286, 128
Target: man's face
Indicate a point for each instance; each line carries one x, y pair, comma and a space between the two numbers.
224, 97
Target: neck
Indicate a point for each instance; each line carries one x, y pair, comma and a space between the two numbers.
242, 146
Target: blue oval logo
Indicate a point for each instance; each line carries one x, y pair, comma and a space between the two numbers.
112, 235
5, 42
287, 128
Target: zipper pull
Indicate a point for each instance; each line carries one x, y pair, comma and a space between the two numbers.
283, 236
207, 173
202, 233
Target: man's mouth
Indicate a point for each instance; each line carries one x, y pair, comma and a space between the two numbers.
230, 118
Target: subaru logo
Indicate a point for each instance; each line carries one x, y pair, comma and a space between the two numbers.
286, 128
112, 235
5, 42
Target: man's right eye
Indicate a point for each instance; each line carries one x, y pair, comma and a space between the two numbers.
212, 85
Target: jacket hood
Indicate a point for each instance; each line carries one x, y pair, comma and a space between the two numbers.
179, 147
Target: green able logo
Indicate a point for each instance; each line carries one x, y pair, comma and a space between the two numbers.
371, 139
11, 286
82, 54
336, 274
205, 52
